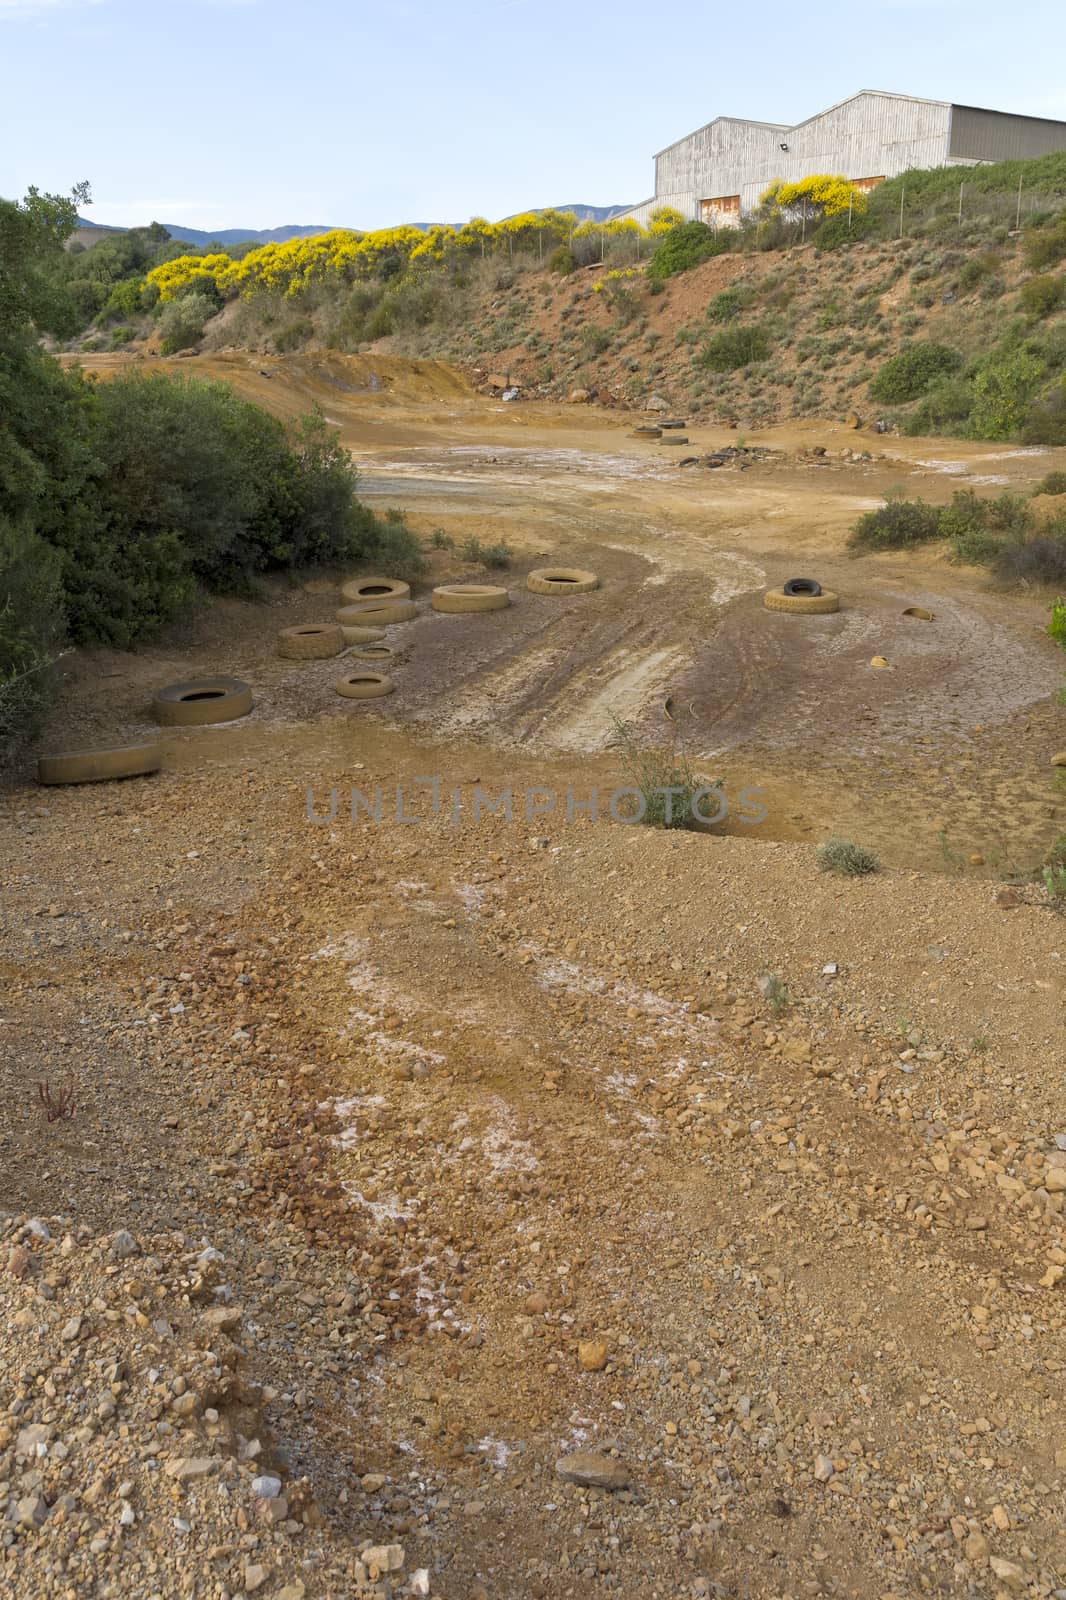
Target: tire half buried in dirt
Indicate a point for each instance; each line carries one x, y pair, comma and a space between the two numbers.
201, 701
561, 580
374, 652
811, 605
377, 613
469, 597
364, 685
376, 589
96, 766
313, 641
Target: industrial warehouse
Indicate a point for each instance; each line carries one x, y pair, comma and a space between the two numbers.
718, 173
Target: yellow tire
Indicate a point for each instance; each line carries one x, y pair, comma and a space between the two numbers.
357, 590
364, 685
811, 605
377, 613
201, 701
456, 597
313, 641
95, 766
361, 635
561, 580
374, 652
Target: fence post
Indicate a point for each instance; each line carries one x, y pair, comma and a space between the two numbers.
902, 196
961, 186
1018, 213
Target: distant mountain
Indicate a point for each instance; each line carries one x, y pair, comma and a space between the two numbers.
305, 230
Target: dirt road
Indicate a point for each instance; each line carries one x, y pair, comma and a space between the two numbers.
449, 1150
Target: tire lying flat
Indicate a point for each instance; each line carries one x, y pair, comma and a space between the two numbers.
357, 590
97, 766
811, 605
200, 701
561, 580
459, 597
377, 613
314, 641
364, 685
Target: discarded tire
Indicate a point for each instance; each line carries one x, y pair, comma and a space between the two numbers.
364, 685
357, 589
200, 701
374, 652
920, 612
361, 635
94, 766
675, 438
676, 423
377, 613
314, 641
811, 605
802, 586
469, 597
647, 433
561, 580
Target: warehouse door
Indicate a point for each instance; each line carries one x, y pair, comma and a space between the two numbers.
723, 211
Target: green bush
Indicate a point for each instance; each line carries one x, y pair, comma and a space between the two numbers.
1046, 247
487, 555
908, 375
839, 229
1046, 422
656, 771
294, 334
848, 859
1051, 483
562, 261
1040, 559
944, 409
1042, 295
1002, 388
728, 305
978, 528
686, 246
182, 321
31, 625
896, 526
734, 348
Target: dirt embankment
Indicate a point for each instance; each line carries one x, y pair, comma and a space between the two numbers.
450, 1151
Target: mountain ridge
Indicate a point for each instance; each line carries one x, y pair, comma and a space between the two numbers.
307, 230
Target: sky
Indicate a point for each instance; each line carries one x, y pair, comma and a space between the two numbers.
258, 113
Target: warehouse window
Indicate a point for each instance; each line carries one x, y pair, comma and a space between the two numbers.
725, 209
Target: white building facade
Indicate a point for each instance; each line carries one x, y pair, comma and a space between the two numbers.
718, 173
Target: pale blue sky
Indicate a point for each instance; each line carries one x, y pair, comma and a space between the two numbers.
254, 113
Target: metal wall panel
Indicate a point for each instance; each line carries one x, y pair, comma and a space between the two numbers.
996, 136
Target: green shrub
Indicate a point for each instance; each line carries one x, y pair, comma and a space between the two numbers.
31, 625
728, 305
487, 555
1040, 559
686, 246
944, 409
848, 859
294, 334
562, 261
120, 336
896, 526
734, 348
1051, 483
182, 321
1002, 388
839, 229
1041, 296
1046, 247
656, 771
1056, 628
595, 341
908, 375
978, 528
1046, 422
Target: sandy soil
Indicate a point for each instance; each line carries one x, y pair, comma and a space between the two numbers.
507, 1145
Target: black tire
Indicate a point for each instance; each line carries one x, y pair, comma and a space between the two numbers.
802, 586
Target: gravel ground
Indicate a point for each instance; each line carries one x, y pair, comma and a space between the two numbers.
554, 1248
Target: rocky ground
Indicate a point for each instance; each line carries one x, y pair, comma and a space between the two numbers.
539, 1207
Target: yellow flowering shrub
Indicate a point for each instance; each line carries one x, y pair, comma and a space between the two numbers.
821, 195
